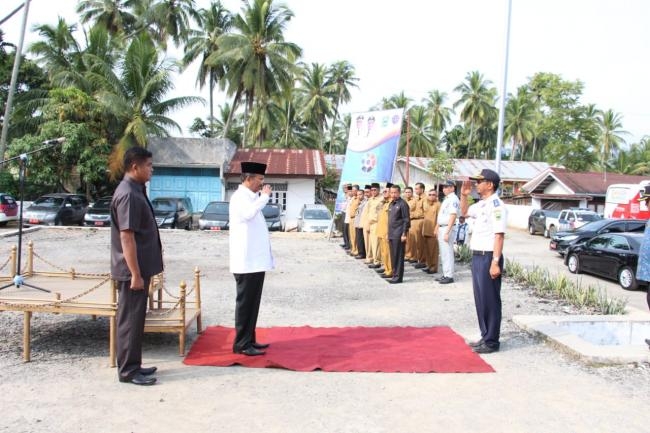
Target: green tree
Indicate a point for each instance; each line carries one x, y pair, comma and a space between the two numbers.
520, 116
420, 141
316, 95
57, 47
477, 97
113, 15
342, 75
610, 125
439, 115
170, 19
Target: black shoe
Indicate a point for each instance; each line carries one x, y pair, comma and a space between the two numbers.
359, 257
260, 345
420, 266
474, 344
428, 271
411, 260
380, 270
138, 379
148, 371
394, 281
446, 280
440, 278
484, 348
386, 276
374, 266
250, 351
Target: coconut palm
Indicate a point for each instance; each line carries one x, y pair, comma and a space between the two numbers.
611, 134
316, 94
113, 15
57, 47
477, 97
342, 75
257, 59
214, 21
170, 19
135, 96
519, 122
420, 141
439, 115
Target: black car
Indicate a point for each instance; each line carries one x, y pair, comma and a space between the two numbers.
537, 220
612, 255
273, 215
215, 216
99, 213
562, 240
173, 212
56, 210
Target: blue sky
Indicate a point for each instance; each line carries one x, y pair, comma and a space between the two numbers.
416, 46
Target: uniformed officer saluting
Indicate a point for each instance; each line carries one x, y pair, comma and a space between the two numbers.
489, 216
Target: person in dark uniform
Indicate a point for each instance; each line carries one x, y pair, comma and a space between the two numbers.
490, 220
250, 254
399, 223
136, 256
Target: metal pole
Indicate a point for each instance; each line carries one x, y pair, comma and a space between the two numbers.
408, 145
12, 85
502, 108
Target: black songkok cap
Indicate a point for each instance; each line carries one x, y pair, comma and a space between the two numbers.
253, 167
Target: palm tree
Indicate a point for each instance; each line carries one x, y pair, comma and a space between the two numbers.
56, 48
342, 74
257, 59
611, 134
113, 15
135, 97
170, 19
317, 97
519, 122
439, 115
214, 21
420, 140
477, 99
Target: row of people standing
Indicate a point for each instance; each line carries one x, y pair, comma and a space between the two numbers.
372, 220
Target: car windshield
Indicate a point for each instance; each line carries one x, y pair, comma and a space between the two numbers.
271, 211
102, 203
219, 208
49, 201
316, 214
163, 205
593, 226
588, 217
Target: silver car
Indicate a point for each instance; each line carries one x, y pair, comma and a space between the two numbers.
314, 218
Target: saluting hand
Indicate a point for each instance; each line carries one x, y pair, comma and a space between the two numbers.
266, 189
466, 188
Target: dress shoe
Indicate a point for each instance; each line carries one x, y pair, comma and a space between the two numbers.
138, 379
250, 351
474, 344
428, 271
440, 278
380, 270
148, 371
374, 265
260, 345
446, 280
386, 276
411, 260
359, 257
484, 348
394, 281
420, 266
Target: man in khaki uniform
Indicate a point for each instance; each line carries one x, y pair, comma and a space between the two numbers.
382, 234
354, 205
415, 232
372, 248
429, 239
409, 254
365, 220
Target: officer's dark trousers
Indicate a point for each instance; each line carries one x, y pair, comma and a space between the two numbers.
131, 311
346, 234
487, 297
247, 307
397, 249
361, 244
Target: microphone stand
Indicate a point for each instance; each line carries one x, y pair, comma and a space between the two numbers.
22, 158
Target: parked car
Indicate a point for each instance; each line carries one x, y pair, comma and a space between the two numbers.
274, 217
539, 221
215, 216
314, 218
8, 209
570, 219
561, 241
56, 209
611, 255
173, 212
98, 214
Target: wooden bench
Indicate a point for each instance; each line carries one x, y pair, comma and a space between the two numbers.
174, 314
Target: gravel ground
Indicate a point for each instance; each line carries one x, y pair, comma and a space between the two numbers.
68, 386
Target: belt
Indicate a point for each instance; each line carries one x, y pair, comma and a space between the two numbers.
443, 225
481, 253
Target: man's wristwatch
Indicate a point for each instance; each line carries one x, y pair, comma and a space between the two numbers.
495, 259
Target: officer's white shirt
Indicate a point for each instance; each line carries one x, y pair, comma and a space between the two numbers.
450, 205
490, 217
250, 245
346, 209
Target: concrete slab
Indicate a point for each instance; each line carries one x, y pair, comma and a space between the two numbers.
597, 340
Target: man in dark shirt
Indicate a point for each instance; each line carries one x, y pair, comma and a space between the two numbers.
398, 228
136, 256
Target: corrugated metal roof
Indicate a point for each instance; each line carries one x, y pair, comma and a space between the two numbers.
285, 162
509, 170
190, 152
587, 182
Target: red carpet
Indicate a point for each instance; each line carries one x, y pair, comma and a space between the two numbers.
406, 350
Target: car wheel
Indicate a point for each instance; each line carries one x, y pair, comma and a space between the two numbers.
57, 222
627, 278
573, 263
552, 231
531, 229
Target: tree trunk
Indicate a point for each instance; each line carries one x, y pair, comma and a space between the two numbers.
211, 103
